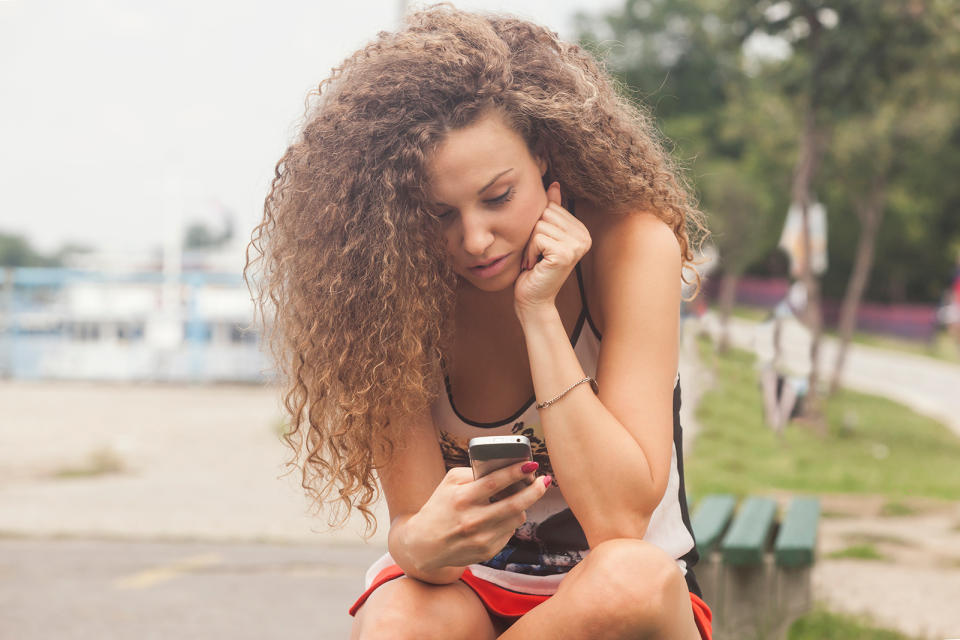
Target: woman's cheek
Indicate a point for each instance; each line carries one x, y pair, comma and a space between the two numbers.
532, 210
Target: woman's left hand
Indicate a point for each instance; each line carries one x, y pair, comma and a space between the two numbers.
557, 243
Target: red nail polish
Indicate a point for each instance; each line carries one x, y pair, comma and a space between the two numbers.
547, 480
529, 467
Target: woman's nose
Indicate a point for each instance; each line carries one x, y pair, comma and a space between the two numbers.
477, 233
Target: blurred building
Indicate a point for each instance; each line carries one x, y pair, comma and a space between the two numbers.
125, 318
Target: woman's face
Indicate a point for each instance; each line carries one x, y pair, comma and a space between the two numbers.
486, 188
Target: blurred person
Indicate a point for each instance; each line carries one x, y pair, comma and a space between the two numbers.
471, 227
783, 379
952, 319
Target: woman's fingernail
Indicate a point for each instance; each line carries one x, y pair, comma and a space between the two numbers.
529, 467
547, 480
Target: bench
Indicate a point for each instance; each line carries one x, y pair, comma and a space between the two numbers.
755, 571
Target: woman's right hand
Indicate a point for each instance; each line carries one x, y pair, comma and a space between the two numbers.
459, 526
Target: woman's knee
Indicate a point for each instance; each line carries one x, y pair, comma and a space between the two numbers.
407, 608
631, 580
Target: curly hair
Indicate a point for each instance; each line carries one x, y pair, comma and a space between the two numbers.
347, 267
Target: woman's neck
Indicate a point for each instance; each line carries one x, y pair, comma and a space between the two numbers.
486, 303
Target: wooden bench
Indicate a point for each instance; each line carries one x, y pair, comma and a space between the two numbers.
755, 571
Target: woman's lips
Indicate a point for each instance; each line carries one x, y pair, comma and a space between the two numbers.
491, 268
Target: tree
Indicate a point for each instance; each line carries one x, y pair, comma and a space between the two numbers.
913, 109
199, 236
845, 54
16, 251
859, 108
685, 57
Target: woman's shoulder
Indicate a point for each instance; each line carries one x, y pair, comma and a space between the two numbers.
625, 247
629, 249
616, 232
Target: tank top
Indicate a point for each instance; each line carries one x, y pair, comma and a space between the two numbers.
551, 541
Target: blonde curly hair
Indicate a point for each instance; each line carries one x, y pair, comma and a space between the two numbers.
347, 267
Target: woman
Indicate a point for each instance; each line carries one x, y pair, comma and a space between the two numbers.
471, 227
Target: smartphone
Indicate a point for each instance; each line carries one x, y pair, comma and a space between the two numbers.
489, 453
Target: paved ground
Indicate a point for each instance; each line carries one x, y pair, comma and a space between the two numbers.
166, 545
96, 590
196, 536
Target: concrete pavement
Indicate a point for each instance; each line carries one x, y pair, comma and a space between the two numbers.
105, 590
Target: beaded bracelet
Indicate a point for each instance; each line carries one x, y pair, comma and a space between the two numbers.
593, 385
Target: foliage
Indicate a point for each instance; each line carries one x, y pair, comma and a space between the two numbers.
682, 58
883, 76
873, 445
16, 251
199, 236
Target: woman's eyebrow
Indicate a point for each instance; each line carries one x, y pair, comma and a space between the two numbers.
484, 187
495, 178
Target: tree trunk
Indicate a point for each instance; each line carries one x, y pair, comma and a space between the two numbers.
728, 295
870, 213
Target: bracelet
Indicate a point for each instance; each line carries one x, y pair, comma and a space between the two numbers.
593, 385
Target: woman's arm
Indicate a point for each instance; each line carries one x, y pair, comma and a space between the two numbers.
408, 480
612, 452
440, 523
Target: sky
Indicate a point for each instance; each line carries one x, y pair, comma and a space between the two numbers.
120, 120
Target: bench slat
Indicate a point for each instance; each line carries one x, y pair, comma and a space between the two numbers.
710, 520
797, 540
745, 543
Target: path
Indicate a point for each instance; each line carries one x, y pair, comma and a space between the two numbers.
927, 385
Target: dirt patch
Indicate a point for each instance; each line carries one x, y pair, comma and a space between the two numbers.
913, 582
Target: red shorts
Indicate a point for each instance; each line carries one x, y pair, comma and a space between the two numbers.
511, 604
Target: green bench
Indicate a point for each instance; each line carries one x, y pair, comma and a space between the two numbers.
755, 570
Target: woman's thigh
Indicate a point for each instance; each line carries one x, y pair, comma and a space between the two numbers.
408, 608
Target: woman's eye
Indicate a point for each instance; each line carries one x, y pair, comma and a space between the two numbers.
506, 196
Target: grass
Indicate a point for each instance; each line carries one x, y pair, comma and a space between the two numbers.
858, 552
280, 427
100, 462
872, 445
823, 624
896, 508
878, 538
754, 314
828, 513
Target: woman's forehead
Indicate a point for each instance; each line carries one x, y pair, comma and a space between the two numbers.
472, 156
